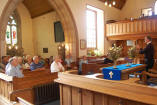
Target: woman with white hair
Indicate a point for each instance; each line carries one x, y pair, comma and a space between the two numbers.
28, 61
56, 66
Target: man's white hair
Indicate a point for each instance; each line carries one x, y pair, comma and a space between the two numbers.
35, 57
12, 58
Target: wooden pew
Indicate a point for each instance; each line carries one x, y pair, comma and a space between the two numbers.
12, 87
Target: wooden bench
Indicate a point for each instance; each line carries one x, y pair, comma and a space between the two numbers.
12, 87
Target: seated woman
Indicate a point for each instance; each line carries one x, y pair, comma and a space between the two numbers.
20, 61
68, 61
83, 60
36, 65
12, 68
56, 66
28, 61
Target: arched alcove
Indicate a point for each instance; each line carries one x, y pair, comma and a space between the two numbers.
64, 12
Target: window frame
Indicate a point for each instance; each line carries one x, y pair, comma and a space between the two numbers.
87, 9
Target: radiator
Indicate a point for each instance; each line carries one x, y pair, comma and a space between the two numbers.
45, 93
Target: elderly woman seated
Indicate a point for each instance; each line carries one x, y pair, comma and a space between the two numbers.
56, 66
20, 61
36, 65
12, 68
28, 61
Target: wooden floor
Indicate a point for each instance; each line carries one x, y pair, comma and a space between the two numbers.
53, 103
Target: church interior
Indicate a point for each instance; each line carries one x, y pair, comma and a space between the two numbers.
78, 52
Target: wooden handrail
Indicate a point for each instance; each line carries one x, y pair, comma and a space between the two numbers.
21, 100
6, 77
13, 94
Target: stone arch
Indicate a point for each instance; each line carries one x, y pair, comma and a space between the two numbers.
65, 14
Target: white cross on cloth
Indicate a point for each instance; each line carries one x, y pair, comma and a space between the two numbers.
111, 74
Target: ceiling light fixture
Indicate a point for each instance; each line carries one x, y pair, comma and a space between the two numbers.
114, 3
110, 3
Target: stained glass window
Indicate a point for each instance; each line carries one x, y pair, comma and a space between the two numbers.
11, 31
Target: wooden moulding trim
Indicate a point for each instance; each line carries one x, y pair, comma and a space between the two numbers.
141, 67
135, 20
131, 36
122, 89
23, 101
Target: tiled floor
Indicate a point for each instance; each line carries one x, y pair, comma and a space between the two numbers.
53, 103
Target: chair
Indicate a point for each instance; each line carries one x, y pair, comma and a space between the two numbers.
149, 77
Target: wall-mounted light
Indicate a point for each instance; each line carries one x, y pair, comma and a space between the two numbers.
9, 47
16, 47
67, 47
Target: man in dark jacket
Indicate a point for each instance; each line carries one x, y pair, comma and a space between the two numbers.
148, 52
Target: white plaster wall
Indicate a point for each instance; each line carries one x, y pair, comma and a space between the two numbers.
78, 8
43, 30
133, 8
26, 29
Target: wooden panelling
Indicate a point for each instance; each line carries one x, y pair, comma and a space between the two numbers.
85, 94
136, 29
87, 97
120, 90
76, 96
67, 97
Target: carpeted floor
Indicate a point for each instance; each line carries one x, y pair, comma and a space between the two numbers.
53, 103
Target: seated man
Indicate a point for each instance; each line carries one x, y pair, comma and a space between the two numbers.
56, 66
83, 60
36, 65
68, 61
12, 68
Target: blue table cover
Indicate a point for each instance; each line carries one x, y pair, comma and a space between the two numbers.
115, 74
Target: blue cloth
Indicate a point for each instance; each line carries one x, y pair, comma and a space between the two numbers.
115, 74
34, 66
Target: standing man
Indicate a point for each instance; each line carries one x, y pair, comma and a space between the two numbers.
148, 52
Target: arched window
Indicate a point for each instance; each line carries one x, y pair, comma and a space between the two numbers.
155, 8
13, 35
11, 32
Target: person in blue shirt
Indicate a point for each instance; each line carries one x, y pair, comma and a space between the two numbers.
36, 65
12, 68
